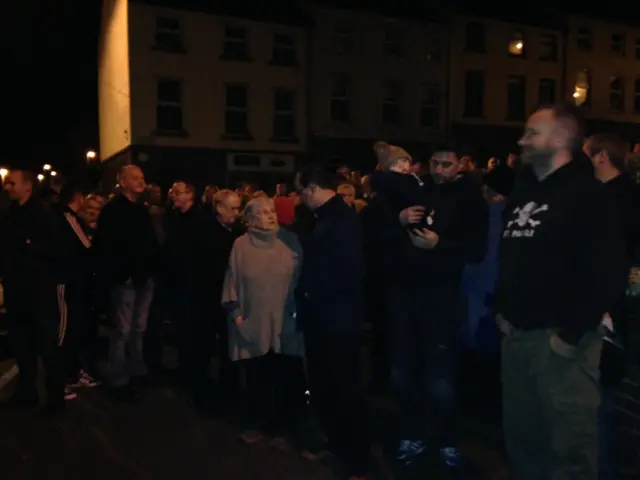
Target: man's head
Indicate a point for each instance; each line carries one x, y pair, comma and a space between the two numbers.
281, 190
466, 164
260, 214
492, 163
392, 157
20, 185
209, 194
315, 184
348, 193
73, 196
91, 209
228, 206
444, 165
551, 133
182, 195
608, 154
131, 180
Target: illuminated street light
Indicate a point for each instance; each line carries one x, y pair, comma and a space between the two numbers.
53, 173
519, 45
3, 172
40, 177
46, 167
91, 155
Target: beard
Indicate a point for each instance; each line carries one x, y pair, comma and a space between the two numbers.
535, 157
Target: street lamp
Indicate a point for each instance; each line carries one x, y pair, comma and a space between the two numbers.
91, 154
46, 167
3, 173
40, 177
53, 173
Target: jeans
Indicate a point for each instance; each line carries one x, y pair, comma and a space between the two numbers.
423, 331
129, 313
606, 437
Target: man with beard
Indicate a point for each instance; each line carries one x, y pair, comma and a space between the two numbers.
562, 265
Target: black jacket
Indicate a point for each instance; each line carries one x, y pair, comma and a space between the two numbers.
78, 264
562, 257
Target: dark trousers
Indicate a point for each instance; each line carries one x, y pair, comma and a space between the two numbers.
274, 397
377, 316
154, 335
34, 324
333, 365
228, 380
78, 328
423, 333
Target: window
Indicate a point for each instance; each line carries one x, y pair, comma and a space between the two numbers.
340, 105
637, 48
616, 94
169, 106
429, 108
475, 40
636, 100
391, 103
236, 115
548, 47
342, 38
547, 91
235, 44
433, 51
393, 37
474, 94
584, 40
284, 116
516, 97
284, 49
168, 36
515, 46
582, 92
618, 44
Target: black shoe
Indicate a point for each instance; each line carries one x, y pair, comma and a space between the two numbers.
125, 394
18, 400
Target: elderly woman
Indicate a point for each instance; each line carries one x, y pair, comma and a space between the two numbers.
258, 297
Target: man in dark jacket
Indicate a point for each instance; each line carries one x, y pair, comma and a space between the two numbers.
562, 266
30, 253
126, 250
331, 315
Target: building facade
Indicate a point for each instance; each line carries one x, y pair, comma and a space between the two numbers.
499, 72
603, 73
202, 95
375, 78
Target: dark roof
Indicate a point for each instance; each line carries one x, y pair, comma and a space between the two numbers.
283, 12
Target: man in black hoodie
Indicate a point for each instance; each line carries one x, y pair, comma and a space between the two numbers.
30, 255
562, 266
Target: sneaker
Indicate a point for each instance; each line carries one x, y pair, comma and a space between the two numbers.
409, 449
69, 394
450, 456
251, 436
87, 381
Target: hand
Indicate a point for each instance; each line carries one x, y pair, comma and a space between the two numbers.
411, 215
238, 320
424, 238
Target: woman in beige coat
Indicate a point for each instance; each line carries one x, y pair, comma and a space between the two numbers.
258, 297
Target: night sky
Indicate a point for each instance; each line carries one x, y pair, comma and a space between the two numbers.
50, 102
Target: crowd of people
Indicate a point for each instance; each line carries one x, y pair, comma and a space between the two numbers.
536, 251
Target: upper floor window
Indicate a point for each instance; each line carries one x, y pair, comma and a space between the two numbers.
340, 103
475, 38
584, 39
236, 114
433, 49
618, 42
393, 40
236, 45
430, 106
284, 114
169, 106
474, 94
547, 91
342, 38
548, 47
284, 49
582, 91
616, 94
516, 97
515, 47
636, 100
168, 36
391, 103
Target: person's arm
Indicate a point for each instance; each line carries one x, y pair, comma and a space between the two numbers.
230, 301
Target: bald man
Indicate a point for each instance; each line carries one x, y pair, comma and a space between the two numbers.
126, 247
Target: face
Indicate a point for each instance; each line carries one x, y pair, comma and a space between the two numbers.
132, 180
281, 190
511, 160
348, 194
229, 209
307, 194
16, 187
264, 216
90, 211
444, 167
541, 140
295, 198
402, 165
492, 163
181, 196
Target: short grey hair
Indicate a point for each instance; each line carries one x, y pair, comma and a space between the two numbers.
255, 204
